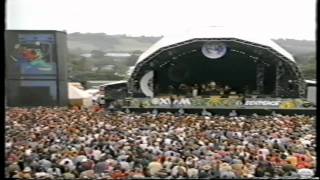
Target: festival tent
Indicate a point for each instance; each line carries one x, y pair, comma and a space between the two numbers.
77, 85
78, 97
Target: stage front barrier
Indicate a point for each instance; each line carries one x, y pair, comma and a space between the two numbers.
217, 102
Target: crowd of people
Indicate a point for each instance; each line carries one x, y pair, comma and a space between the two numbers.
84, 143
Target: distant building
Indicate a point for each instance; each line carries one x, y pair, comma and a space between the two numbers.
86, 55
118, 74
107, 68
94, 69
118, 55
95, 84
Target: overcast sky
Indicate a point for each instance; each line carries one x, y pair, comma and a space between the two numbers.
280, 18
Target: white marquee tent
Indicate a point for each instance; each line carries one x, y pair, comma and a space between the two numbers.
78, 97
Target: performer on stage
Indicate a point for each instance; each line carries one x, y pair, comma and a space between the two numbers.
195, 90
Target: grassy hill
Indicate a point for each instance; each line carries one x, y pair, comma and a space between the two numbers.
297, 46
304, 53
103, 42
79, 43
86, 42
302, 50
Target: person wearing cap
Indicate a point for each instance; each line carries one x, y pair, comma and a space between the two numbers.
67, 163
26, 173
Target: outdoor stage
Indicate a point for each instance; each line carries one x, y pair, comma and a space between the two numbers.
216, 71
226, 111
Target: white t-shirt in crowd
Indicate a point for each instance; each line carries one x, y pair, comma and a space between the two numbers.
264, 152
306, 173
195, 92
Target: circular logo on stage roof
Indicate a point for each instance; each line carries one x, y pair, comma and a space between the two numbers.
214, 50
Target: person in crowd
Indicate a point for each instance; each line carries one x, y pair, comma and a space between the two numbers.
62, 143
195, 90
172, 99
203, 89
227, 89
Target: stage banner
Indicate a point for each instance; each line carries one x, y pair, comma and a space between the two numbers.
182, 102
134, 102
166, 101
262, 102
292, 104
217, 101
162, 101
224, 102
196, 102
146, 103
199, 101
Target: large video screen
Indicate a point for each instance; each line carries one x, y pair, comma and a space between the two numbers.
33, 54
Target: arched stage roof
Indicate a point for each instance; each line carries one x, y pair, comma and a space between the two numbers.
213, 32
254, 43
